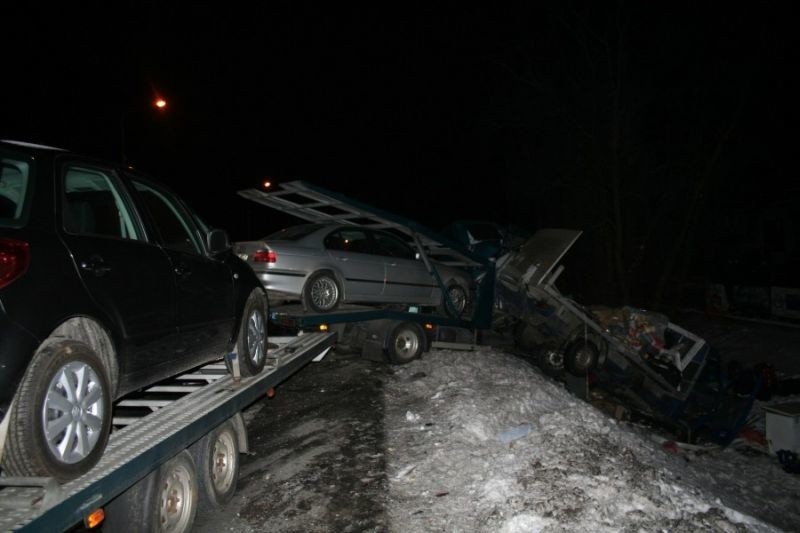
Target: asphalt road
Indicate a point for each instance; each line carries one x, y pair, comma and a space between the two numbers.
317, 457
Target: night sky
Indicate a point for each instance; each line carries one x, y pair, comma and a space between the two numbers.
662, 132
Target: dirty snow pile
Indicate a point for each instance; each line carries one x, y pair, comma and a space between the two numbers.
480, 441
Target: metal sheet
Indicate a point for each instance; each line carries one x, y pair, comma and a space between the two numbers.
536, 259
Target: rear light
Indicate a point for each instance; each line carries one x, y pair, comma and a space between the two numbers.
265, 256
15, 256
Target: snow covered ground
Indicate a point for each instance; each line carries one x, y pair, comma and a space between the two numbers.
481, 441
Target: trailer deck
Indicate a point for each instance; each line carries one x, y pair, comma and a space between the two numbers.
40, 504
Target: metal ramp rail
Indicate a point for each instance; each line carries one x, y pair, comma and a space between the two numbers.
316, 204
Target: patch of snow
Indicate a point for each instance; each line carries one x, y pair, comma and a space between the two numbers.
503, 448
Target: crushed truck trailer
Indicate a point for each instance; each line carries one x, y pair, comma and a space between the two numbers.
646, 363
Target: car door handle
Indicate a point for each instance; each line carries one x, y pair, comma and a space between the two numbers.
392, 264
96, 265
342, 258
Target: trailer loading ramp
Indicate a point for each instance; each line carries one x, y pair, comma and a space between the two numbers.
40, 504
318, 205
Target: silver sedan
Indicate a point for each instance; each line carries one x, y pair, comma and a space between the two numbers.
324, 265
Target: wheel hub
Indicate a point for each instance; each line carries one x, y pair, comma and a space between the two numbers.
255, 337
324, 293
175, 495
73, 412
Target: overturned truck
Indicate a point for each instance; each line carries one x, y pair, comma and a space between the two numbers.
639, 359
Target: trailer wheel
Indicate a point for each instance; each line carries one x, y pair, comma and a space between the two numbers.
251, 346
177, 494
322, 292
216, 456
405, 343
581, 357
61, 415
165, 500
552, 361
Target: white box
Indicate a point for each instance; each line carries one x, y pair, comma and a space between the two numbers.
783, 427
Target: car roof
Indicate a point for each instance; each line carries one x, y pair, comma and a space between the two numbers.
34, 146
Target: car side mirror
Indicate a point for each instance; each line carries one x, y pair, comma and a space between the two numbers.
217, 241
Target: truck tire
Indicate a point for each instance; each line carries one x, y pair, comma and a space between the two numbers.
405, 342
62, 414
216, 456
322, 292
165, 500
251, 345
581, 357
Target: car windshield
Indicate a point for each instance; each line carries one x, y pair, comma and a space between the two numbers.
14, 191
294, 233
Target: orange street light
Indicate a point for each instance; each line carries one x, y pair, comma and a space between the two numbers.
160, 103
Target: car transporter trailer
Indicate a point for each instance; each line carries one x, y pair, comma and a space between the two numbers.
157, 455
395, 332
157, 465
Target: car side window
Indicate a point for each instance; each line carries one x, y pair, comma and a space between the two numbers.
172, 223
93, 205
391, 246
13, 190
349, 240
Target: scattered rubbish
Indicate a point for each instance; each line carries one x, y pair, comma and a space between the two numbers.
404, 471
412, 417
514, 433
670, 446
675, 446
789, 461
642, 361
643, 331
754, 436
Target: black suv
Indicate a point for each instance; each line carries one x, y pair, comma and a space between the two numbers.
108, 283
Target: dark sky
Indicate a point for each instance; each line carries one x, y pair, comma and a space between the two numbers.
508, 113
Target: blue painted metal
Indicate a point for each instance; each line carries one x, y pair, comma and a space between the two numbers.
301, 320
